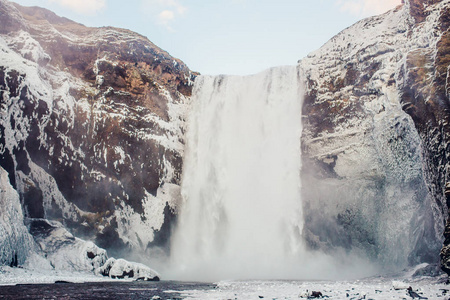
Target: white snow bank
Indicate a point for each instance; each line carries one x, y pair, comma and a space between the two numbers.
35, 275
120, 268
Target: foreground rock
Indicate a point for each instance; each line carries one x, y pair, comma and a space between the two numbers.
63, 250
16, 243
51, 247
120, 268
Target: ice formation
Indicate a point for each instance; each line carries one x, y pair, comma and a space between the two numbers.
16, 243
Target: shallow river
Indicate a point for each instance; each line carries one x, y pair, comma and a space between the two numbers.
102, 290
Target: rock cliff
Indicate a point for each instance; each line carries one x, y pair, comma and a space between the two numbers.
375, 138
91, 127
92, 135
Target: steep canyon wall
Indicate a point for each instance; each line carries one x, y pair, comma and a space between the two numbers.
91, 127
375, 138
93, 121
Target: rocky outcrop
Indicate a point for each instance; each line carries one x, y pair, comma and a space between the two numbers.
425, 96
62, 250
120, 268
16, 243
91, 127
374, 140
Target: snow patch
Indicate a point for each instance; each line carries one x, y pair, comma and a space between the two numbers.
138, 229
28, 47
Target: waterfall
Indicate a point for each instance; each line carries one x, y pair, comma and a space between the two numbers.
241, 215
242, 211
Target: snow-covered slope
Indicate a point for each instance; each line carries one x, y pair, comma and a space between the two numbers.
368, 183
91, 127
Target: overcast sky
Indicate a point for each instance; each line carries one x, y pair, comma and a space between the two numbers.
225, 36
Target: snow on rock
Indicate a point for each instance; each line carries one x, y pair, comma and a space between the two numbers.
120, 268
28, 47
138, 228
364, 179
91, 127
58, 255
63, 250
16, 243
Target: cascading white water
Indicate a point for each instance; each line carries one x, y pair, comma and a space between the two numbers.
241, 216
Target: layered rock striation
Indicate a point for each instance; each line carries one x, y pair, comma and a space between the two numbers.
91, 127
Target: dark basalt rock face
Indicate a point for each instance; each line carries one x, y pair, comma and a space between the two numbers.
91, 125
426, 99
425, 96
375, 139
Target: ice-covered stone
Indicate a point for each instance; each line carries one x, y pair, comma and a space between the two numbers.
121, 268
63, 250
400, 285
16, 243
